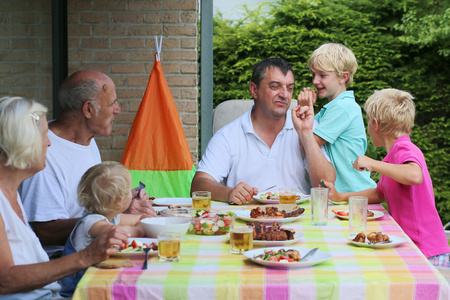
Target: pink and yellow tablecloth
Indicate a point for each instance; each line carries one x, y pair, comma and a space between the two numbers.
208, 271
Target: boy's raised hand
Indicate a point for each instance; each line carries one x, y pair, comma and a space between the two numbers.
303, 97
363, 163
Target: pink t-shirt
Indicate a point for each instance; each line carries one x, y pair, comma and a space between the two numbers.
413, 206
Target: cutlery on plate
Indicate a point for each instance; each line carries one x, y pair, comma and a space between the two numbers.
382, 242
269, 188
146, 250
310, 253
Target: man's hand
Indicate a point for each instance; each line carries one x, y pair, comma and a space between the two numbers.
333, 195
303, 97
242, 193
140, 204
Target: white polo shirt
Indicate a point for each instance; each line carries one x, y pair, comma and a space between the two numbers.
236, 154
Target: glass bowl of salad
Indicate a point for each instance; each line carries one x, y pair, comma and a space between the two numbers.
203, 222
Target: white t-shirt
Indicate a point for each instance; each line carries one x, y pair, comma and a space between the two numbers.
237, 154
81, 239
51, 194
25, 248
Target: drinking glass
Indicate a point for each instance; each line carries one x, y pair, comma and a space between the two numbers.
288, 195
241, 238
319, 206
169, 246
201, 200
357, 215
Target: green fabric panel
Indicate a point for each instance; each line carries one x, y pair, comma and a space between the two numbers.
164, 183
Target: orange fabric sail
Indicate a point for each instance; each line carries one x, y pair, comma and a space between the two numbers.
157, 143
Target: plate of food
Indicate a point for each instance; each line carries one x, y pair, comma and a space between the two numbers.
286, 259
377, 240
173, 201
135, 247
371, 214
274, 198
281, 213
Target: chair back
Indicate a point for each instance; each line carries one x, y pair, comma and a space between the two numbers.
230, 110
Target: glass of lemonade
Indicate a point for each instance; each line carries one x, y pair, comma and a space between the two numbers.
201, 200
287, 195
241, 238
169, 246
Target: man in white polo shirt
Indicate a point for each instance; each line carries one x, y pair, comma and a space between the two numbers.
266, 146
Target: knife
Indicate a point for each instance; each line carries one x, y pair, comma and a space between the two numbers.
310, 253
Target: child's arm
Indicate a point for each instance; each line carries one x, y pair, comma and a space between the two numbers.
408, 173
371, 194
129, 224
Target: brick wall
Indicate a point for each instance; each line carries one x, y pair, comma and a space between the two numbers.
26, 50
117, 38
112, 36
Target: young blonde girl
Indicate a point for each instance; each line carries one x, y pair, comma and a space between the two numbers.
105, 192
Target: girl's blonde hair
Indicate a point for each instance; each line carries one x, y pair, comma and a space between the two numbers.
102, 186
334, 57
394, 109
20, 131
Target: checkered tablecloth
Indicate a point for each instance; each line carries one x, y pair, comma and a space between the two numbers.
207, 270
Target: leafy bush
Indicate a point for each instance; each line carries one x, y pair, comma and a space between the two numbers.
383, 36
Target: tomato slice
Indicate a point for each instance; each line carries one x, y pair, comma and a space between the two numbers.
273, 258
134, 244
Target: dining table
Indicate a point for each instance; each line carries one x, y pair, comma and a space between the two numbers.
207, 269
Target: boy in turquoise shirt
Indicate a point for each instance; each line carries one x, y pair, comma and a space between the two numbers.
341, 126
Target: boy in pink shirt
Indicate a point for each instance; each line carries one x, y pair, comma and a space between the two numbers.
405, 183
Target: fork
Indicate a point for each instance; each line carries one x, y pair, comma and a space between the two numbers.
146, 250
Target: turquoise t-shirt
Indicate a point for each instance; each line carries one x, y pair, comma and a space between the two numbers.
342, 126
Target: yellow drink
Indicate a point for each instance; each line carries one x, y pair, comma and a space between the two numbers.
288, 199
201, 203
169, 250
241, 239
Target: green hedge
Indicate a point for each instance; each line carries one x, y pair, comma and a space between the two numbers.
382, 34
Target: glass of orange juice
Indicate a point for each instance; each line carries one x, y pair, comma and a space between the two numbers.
201, 200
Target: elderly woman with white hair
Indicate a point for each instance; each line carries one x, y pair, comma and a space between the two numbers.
26, 272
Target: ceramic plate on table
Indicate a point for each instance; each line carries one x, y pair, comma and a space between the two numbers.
303, 198
376, 214
259, 243
141, 253
318, 257
172, 201
396, 240
245, 215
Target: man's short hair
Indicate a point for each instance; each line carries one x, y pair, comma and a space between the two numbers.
21, 131
259, 70
334, 57
72, 95
103, 186
394, 109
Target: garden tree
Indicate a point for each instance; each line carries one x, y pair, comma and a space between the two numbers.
382, 34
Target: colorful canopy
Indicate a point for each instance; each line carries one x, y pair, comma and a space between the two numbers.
157, 152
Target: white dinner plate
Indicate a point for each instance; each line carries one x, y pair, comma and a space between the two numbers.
245, 215
259, 243
172, 201
138, 253
303, 198
376, 214
318, 257
396, 240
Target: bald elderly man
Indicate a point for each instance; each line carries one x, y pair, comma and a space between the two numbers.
89, 104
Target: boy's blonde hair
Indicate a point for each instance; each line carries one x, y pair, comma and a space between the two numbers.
102, 186
334, 57
394, 109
